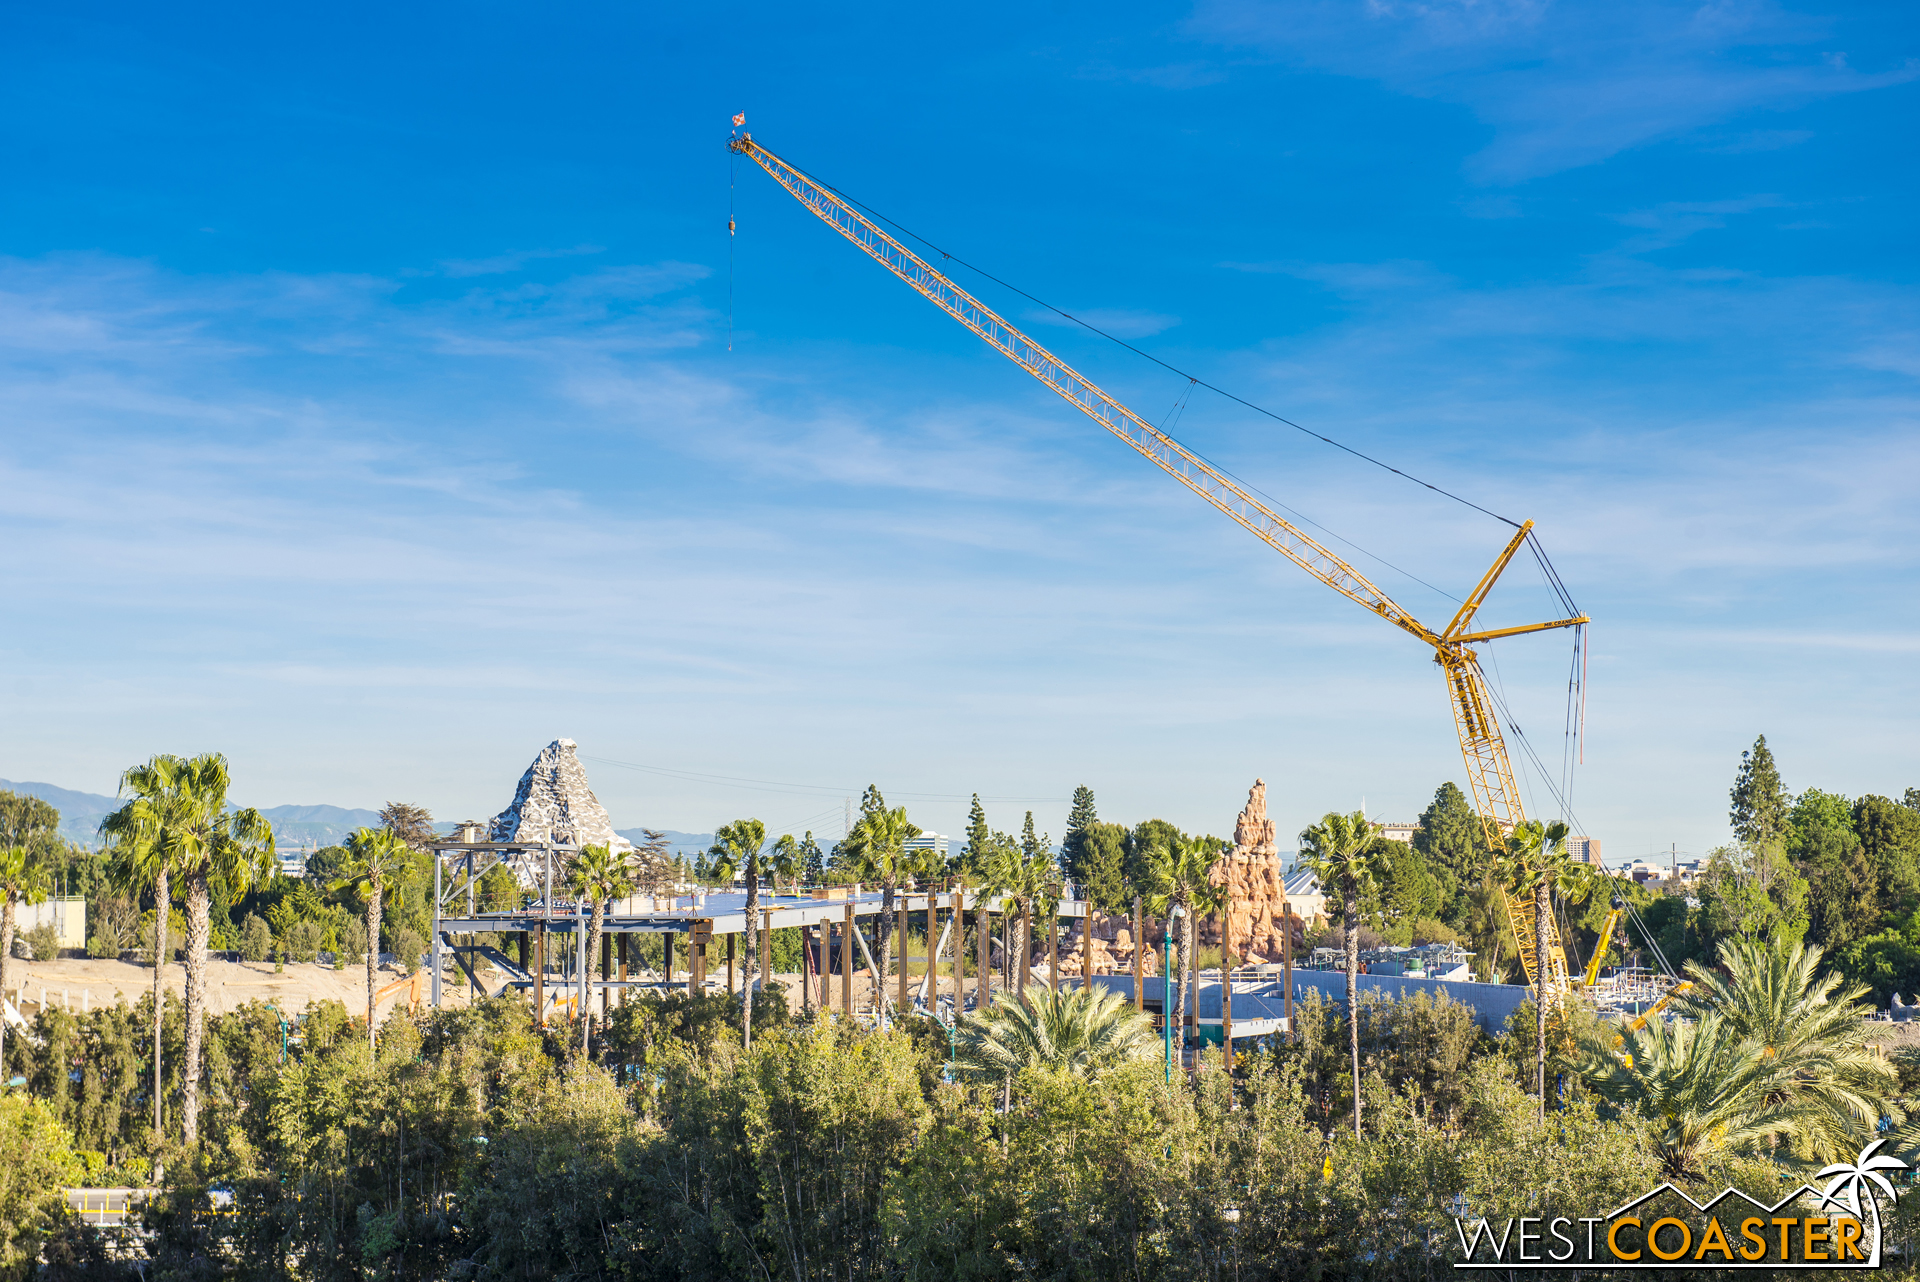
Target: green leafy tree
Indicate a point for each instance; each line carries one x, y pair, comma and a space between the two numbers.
1759, 814
1890, 838
1073, 847
412, 824
376, 859
23, 880
737, 849
1105, 860
598, 874
1749, 895
1144, 846
1450, 839
37, 1165
1341, 851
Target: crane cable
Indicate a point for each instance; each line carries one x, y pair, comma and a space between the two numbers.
1193, 378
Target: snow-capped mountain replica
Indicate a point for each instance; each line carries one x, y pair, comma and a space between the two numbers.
553, 803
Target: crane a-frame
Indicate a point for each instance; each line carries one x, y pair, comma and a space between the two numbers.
1489, 772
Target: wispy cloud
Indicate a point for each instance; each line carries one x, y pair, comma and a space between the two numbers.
512, 261
1567, 85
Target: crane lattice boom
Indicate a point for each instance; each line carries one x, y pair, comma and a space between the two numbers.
1489, 772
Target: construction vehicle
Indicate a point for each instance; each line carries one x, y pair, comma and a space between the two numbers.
1489, 771
412, 983
1617, 907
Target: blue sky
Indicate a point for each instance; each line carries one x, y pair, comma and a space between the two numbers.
369, 416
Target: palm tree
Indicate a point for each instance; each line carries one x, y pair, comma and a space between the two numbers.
177, 824
877, 848
1181, 869
1085, 1032
737, 847
1773, 994
24, 879
1340, 850
1535, 859
598, 874
375, 859
785, 858
234, 848
1705, 1090
141, 862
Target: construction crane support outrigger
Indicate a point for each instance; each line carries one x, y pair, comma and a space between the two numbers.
1489, 771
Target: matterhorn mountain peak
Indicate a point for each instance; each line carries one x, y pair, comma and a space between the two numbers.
555, 804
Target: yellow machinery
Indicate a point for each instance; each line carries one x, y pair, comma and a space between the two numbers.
1496, 799
1618, 906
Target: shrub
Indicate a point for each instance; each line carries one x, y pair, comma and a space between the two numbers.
408, 944
301, 941
44, 942
256, 938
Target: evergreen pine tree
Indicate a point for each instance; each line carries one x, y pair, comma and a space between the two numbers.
812, 862
1073, 847
1032, 846
1759, 813
973, 860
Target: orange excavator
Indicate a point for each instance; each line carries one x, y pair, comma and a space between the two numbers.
412, 984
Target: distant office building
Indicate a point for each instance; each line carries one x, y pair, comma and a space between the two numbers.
930, 841
1398, 831
1585, 850
1684, 872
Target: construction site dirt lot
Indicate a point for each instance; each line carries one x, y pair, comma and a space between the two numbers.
81, 983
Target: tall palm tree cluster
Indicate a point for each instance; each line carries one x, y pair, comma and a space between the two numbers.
177, 825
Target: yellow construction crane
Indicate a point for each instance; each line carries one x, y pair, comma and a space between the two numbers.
1496, 799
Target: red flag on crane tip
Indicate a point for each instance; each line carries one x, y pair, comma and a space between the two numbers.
739, 120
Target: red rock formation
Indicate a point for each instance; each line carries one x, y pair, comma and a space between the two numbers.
1251, 873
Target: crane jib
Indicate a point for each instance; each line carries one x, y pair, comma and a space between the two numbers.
1185, 466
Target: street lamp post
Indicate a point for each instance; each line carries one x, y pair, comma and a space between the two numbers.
1166, 1001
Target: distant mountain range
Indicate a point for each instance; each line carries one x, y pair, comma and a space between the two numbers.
293, 826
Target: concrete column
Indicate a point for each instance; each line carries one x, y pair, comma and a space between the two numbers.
1086, 947
900, 929
957, 914
540, 973
766, 946
983, 956
626, 947
846, 963
1053, 949
1139, 993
